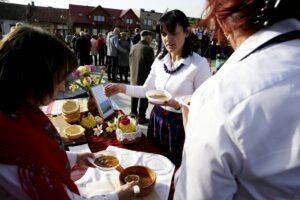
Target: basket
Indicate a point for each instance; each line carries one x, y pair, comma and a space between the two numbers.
130, 137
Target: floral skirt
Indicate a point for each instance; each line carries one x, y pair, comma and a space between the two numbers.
166, 130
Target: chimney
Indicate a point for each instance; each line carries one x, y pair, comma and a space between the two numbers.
32, 3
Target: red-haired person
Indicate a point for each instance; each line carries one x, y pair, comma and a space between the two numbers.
243, 130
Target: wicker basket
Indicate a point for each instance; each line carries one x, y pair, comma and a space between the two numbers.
132, 137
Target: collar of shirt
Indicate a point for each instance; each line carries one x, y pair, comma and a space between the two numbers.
167, 61
259, 38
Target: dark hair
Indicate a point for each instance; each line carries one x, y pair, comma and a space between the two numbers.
248, 16
169, 20
32, 62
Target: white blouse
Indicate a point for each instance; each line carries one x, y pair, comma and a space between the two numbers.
243, 131
184, 82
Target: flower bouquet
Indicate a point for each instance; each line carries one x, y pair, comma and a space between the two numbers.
86, 78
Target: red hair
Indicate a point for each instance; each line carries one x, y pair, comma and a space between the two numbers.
247, 16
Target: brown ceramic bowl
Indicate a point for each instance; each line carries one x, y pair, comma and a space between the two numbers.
147, 178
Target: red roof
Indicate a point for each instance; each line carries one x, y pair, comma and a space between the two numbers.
80, 14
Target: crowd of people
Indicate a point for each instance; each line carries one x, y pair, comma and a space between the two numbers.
239, 138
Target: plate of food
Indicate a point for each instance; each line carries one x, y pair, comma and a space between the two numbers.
158, 96
106, 160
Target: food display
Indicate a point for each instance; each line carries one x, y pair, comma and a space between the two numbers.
126, 124
158, 96
128, 131
147, 178
71, 111
106, 161
74, 131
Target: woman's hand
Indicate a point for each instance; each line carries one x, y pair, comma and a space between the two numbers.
82, 159
126, 191
112, 89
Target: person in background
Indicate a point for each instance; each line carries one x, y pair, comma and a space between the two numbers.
33, 162
243, 130
178, 70
113, 47
101, 49
123, 58
83, 47
94, 50
140, 59
137, 36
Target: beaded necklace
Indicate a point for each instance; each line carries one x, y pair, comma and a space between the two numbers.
173, 71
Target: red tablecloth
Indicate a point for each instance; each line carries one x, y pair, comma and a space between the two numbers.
100, 143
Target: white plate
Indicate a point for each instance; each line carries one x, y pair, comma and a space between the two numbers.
158, 163
185, 100
129, 159
151, 93
106, 153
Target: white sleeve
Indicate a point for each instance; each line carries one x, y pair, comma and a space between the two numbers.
140, 91
72, 157
9, 181
211, 157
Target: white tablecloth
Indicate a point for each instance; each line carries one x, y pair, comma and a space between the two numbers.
96, 181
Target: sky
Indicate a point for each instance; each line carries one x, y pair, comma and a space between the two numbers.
192, 8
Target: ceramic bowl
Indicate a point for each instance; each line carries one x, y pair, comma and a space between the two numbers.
106, 160
147, 178
158, 96
74, 131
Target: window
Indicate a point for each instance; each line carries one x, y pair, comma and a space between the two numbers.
80, 14
98, 18
148, 22
129, 21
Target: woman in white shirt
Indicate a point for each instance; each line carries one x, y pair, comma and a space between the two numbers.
243, 130
178, 70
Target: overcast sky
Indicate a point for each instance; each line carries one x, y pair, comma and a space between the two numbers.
192, 8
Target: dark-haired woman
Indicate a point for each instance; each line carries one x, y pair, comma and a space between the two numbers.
178, 70
33, 163
243, 130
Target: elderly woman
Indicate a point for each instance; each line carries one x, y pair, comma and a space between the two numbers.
243, 130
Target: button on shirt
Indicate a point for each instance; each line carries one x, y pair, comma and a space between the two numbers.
243, 131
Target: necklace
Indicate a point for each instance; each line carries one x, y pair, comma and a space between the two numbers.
173, 71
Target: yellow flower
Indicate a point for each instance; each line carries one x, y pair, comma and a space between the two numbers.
96, 81
73, 87
85, 82
83, 70
89, 121
111, 126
